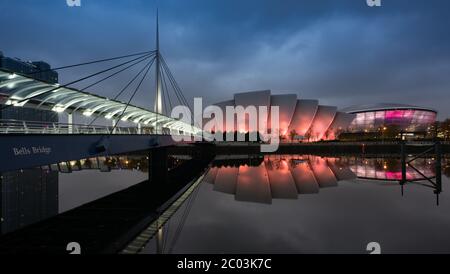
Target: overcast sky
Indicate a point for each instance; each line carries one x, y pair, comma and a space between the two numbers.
340, 52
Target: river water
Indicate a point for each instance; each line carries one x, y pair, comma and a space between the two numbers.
263, 204
309, 204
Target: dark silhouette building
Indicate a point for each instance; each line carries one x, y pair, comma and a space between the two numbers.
27, 196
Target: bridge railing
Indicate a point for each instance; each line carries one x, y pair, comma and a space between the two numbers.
33, 127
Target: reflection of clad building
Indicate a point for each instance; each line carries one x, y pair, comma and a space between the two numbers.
386, 169
30, 195
299, 119
378, 118
260, 180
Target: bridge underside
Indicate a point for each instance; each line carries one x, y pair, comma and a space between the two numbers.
28, 151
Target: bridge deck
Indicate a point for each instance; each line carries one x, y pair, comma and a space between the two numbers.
18, 151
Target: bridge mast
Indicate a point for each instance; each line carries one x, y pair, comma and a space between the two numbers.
158, 98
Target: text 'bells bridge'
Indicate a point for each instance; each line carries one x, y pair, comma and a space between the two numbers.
29, 143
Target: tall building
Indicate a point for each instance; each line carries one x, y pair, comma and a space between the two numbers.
27, 196
38, 70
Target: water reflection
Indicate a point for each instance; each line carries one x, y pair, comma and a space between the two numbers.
27, 196
260, 179
317, 205
32, 195
390, 169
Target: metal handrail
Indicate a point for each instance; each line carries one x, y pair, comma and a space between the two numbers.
36, 127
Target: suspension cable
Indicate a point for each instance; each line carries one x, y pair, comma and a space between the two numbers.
71, 83
174, 85
168, 95
125, 88
177, 91
93, 62
164, 94
146, 57
175, 82
132, 96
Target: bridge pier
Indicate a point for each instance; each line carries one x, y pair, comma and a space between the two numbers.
158, 166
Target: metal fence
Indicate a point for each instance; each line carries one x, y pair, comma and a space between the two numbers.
29, 127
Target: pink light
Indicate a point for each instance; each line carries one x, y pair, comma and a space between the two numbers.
394, 114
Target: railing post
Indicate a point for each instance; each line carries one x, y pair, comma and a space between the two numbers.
70, 123
25, 127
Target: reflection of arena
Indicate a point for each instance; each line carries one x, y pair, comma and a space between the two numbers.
390, 169
261, 179
405, 118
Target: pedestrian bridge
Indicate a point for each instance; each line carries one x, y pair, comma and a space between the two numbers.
22, 91
27, 144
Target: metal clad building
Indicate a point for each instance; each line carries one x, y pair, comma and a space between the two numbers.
306, 119
376, 117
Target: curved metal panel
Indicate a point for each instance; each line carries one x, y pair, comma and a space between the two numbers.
253, 185
322, 172
222, 105
287, 105
226, 180
341, 171
340, 123
253, 98
304, 177
305, 112
324, 117
282, 183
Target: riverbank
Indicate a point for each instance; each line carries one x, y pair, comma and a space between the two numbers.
332, 148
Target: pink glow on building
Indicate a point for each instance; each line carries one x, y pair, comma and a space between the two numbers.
303, 120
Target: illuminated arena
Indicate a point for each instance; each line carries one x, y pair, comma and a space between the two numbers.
384, 117
300, 119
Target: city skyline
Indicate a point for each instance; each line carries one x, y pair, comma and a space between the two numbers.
341, 53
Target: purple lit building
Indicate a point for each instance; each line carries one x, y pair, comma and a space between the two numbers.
379, 117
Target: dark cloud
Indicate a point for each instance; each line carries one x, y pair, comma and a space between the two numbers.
341, 52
